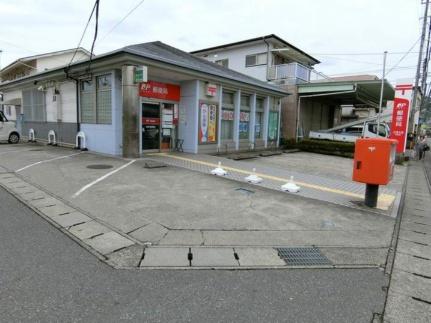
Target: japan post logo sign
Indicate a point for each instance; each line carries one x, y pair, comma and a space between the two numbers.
400, 117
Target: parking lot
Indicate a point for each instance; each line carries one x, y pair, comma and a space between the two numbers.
169, 206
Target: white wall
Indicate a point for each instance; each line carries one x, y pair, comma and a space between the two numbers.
64, 108
237, 56
49, 62
188, 116
10, 95
107, 138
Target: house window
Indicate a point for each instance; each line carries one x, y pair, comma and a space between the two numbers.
227, 116
96, 100
223, 62
258, 127
255, 59
33, 103
244, 117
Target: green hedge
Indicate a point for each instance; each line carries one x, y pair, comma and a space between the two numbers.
322, 146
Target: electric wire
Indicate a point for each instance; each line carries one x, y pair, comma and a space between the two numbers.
96, 28
83, 34
404, 56
121, 20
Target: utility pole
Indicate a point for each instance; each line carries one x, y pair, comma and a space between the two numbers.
381, 93
418, 70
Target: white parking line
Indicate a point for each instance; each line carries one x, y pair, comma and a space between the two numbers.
102, 178
45, 161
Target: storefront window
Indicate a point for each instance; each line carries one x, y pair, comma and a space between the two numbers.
258, 127
244, 117
227, 117
272, 126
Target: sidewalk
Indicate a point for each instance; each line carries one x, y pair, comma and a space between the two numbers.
409, 295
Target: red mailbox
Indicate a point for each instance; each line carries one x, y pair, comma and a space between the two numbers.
374, 165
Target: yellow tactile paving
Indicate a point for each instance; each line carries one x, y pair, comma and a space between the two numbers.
384, 202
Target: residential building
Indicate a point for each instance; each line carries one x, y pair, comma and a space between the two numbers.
268, 58
149, 97
32, 65
309, 106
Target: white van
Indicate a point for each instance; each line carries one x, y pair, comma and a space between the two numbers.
8, 131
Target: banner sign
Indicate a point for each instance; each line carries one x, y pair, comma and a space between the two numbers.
157, 90
244, 116
227, 115
400, 115
207, 123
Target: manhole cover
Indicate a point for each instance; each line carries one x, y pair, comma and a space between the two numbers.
99, 166
303, 256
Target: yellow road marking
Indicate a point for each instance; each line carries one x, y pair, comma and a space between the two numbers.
384, 199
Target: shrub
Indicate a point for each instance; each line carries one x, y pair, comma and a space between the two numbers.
327, 147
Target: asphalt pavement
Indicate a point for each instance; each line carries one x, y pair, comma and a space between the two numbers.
47, 277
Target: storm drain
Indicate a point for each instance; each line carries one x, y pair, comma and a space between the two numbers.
303, 256
99, 166
244, 190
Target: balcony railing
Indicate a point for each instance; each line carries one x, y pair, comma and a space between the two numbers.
294, 73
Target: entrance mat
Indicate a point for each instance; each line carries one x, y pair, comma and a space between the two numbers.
307, 256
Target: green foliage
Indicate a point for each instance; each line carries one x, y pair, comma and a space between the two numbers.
327, 147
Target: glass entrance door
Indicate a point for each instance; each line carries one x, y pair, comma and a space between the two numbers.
168, 127
150, 126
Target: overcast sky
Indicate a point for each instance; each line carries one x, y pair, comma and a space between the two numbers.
323, 29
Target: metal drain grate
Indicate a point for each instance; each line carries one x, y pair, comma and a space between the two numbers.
244, 191
99, 166
303, 256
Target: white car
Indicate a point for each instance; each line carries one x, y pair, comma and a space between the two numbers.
8, 131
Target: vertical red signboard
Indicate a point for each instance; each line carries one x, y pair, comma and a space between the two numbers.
400, 117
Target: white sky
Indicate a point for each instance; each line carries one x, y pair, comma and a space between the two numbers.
318, 27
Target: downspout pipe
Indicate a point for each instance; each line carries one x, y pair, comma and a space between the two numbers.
267, 58
78, 123
311, 96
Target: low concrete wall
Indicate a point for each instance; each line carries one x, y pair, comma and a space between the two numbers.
65, 132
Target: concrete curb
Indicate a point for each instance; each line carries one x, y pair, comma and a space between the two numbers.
32, 196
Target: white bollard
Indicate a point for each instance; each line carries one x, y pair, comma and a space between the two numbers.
290, 186
219, 171
31, 137
253, 178
51, 133
83, 144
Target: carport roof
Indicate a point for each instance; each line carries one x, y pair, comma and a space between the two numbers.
349, 92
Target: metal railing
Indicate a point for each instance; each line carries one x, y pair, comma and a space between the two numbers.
294, 73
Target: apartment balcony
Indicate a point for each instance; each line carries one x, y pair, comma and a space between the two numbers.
293, 73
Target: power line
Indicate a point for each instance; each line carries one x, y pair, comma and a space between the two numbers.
122, 19
404, 56
96, 28
83, 34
